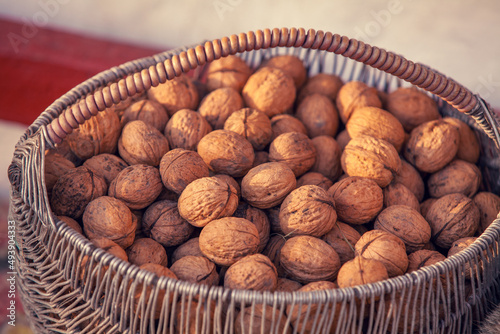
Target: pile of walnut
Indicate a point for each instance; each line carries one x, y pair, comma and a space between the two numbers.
267, 179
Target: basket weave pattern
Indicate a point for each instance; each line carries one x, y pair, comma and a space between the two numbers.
61, 297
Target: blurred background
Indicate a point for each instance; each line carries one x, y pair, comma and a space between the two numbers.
49, 46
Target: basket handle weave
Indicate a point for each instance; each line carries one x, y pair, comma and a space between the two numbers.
417, 74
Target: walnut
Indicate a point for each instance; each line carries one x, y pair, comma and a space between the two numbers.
219, 104
458, 176
372, 158
147, 250
405, 223
358, 200
230, 71
361, 270
342, 139
196, 269
378, 123
269, 90
288, 285
252, 124
261, 317
74, 190
148, 111
137, 186
458, 246
306, 259
71, 223
399, 194
106, 165
179, 167
273, 252
452, 217
261, 157
175, 94
259, 218
328, 153
314, 178
273, 214
226, 152
411, 178
322, 83
141, 143
190, 247
411, 107
295, 150
206, 199
110, 218
353, 95
186, 128
386, 248
227, 240
252, 272
426, 205
307, 210
342, 238
422, 258
99, 134
432, 145
267, 185
319, 115
489, 206
63, 150
162, 222
110, 247
284, 123
230, 180
55, 166
290, 65
469, 147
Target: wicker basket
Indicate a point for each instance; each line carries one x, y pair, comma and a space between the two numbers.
49, 253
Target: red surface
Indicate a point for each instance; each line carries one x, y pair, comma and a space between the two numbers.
40, 65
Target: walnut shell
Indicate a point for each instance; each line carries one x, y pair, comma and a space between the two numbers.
97, 135
458, 246
342, 238
353, 95
288, 285
110, 218
267, 185
106, 165
190, 247
458, 176
162, 222
411, 107
261, 157
55, 166
452, 217
319, 115
74, 190
314, 178
295, 150
405, 223
399, 194
386, 248
361, 270
137, 186
432, 145
185, 129
141, 143
71, 223
343, 138
230, 71
284, 123
252, 124
226, 152
328, 153
148, 111
147, 250
411, 178
378, 123
489, 206
252, 272
422, 258
257, 217
110, 247
307, 210
196, 269
219, 104
372, 158
180, 167
260, 318
290, 65
273, 252
206, 199
358, 200
426, 205
230, 180
469, 148
322, 83
269, 90
306, 259
175, 94
227, 240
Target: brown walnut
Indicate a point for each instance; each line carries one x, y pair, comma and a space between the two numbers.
488, 204
353, 95
328, 153
147, 250
196, 269
295, 150
361, 270
106, 165
185, 129
175, 94
459, 176
286, 123
252, 124
252, 272
230, 71
319, 115
469, 148
342, 238
219, 104
148, 111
